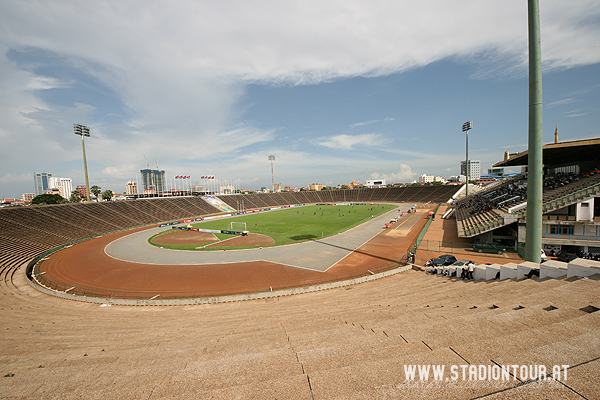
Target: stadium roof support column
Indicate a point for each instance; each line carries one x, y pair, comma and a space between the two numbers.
533, 240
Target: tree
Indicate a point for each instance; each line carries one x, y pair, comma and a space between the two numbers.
96, 190
107, 195
76, 196
48, 199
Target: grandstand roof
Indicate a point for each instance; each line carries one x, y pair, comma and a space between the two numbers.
559, 154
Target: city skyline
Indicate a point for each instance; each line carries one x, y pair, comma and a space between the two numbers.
336, 92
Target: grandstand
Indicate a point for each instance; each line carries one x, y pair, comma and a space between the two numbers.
348, 342
26, 232
571, 216
351, 342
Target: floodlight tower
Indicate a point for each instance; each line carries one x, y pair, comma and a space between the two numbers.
465, 128
82, 131
272, 158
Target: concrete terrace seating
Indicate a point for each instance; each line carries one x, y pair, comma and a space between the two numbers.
439, 193
350, 342
26, 232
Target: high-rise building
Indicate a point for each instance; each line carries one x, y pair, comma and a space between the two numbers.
40, 181
64, 185
131, 188
153, 180
474, 169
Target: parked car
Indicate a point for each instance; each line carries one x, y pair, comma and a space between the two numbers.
544, 256
566, 257
441, 261
489, 248
461, 263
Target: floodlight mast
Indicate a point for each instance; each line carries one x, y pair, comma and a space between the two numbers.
272, 158
82, 131
465, 128
535, 172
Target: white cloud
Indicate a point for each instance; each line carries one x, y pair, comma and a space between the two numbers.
404, 174
346, 142
561, 102
373, 121
45, 83
179, 69
9, 178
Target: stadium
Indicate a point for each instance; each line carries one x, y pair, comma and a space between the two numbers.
92, 308
426, 291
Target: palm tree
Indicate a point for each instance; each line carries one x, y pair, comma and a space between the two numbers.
96, 190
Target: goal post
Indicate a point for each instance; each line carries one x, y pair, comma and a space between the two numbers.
237, 226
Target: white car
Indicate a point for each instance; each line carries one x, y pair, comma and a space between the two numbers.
544, 256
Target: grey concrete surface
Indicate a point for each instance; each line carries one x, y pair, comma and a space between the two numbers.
318, 255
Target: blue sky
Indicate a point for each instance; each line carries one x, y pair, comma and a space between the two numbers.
335, 90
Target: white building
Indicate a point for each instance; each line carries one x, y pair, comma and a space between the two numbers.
27, 197
131, 188
64, 185
458, 178
474, 169
425, 178
376, 183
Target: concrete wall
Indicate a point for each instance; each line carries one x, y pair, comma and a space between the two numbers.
553, 269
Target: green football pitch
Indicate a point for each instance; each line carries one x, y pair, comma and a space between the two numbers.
293, 225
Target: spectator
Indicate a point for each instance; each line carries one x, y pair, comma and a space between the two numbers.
471, 269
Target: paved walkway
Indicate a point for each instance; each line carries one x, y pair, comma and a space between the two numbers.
318, 255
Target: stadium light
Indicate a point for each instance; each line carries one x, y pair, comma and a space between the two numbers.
272, 158
465, 128
82, 131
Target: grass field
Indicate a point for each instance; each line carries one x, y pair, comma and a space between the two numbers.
294, 225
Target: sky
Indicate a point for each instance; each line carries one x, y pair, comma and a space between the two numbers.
335, 90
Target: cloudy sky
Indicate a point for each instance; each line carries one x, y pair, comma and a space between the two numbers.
336, 90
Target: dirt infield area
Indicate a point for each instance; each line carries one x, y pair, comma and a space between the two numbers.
88, 270
192, 237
